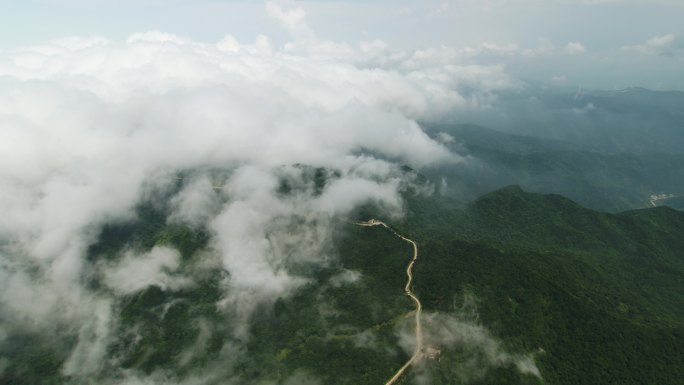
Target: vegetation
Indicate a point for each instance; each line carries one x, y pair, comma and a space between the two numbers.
601, 294
594, 298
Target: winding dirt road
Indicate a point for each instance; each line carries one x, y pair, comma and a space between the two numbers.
419, 307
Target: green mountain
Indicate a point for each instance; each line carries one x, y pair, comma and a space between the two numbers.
517, 288
601, 294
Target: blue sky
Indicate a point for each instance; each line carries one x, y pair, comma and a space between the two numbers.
617, 43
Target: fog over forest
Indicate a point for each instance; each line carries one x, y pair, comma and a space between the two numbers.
172, 204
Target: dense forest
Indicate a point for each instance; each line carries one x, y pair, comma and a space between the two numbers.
517, 287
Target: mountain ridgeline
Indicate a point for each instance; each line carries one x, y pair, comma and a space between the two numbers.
607, 150
602, 180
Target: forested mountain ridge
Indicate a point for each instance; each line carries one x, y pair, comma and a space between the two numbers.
517, 287
601, 294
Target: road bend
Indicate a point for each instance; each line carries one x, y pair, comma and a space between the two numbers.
409, 292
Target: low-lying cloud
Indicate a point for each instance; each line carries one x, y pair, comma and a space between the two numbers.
478, 349
87, 125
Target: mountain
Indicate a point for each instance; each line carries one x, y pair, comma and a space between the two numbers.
633, 120
601, 294
600, 180
517, 288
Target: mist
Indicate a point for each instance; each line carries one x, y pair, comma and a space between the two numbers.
172, 195
93, 127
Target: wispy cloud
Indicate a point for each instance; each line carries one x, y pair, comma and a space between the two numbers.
574, 48
661, 45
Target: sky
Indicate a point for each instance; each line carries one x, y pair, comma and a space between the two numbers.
591, 43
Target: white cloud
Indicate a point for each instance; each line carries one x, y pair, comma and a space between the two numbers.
344, 278
345, 194
665, 45
197, 203
501, 49
156, 37
136, 272
87, 357
293, 19
479, 350
484, 350
445, 138
87, 125
574, 48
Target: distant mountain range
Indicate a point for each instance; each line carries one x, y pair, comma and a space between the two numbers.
634, 120
600, 180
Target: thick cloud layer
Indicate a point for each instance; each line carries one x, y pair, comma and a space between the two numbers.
89, 127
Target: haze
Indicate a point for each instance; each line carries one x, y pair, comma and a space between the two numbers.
205, 160
608, 44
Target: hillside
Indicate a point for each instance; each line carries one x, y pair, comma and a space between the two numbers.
601, 294
512, 285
